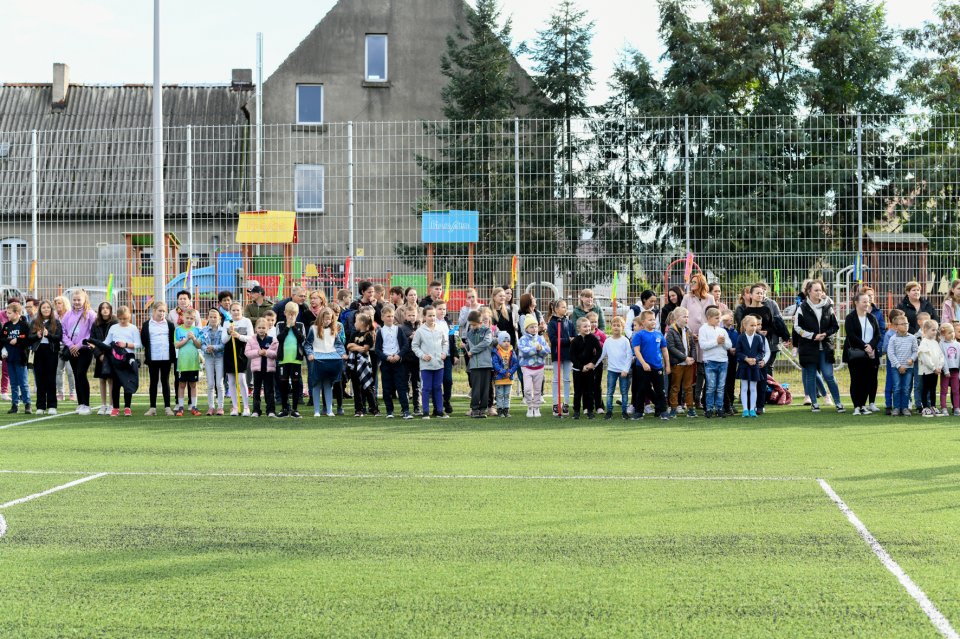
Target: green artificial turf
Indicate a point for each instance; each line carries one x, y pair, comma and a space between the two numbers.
480, 528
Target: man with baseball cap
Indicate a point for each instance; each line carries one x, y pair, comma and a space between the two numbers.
254, 310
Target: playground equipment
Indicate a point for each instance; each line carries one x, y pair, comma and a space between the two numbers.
140, 267
277, 228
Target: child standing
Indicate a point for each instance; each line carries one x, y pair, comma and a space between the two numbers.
884, 343
505, 365
124, 335
478, 343
901, 356
15, 335
159, 354
326, 353
682, 348
361, 370
585, 350
261, 353
45, 335
951, 369
392, 347
534, 350
212, 336
101, 327
616, 350
452, 354
188, 342
598, 372
411, 363
713, 344
930, 362
291, 335
430, 345
733, 336
239, 331
650, 353
752, 355
560, 333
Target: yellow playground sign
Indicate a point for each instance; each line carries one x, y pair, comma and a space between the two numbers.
267, 227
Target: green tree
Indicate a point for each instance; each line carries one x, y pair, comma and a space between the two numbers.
472, 163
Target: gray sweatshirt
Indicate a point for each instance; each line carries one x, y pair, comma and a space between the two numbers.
479, 344
901, 348
951, 356
433, 343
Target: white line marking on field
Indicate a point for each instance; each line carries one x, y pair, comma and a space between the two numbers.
746, 478
3, 526
38, 419
939, 621
50, 491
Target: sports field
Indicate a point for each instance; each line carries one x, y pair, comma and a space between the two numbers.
220, 527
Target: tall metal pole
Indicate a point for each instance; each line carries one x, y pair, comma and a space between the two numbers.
516, 195
159, 265
686, 176
34, 213
259, 133
860, 193
351, 247
190, 205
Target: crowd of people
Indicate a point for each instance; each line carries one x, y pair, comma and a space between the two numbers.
391, 347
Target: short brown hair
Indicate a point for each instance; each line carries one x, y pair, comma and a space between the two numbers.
910, 286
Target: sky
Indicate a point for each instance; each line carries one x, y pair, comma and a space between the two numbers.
111, 41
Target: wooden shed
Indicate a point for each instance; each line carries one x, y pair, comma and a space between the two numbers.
892, 260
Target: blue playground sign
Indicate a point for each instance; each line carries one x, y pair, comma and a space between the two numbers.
447, 227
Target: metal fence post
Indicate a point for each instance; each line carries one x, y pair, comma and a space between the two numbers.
350, 239
686, 177
516, 195
34, 213
859, 256
190, 264
258, 178
159, 263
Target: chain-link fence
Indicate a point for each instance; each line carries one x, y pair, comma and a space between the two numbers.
780, 199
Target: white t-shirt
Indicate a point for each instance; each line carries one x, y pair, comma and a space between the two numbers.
159, 340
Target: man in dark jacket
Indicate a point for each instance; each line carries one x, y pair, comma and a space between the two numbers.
258, 303
298, 295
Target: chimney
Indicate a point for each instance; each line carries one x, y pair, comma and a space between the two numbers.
61, 84
241, 78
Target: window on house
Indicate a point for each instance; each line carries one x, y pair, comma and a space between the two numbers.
309, 104
376, 58
308, 186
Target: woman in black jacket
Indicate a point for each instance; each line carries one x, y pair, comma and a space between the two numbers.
814, 326
860, 352
913, 304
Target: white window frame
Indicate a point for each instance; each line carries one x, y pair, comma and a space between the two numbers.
386, 57
322, 106
296, 187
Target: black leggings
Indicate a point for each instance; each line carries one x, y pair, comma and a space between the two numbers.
290, 377
45, 374
80, 365
115, 394
159, 372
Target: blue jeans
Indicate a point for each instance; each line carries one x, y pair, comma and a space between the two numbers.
19, 389
613, 379
888, 387
716, 377
902, 387
810, 376
566, 369
917, 386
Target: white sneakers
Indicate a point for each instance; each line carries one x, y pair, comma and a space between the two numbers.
52, 411
83, 410
168, 411
246, 412
151, 413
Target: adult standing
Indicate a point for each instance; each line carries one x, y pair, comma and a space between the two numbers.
815, 325
951, 304
674, 299
585, 306
913, 303
258, 302
76, 329
772, 327
860, 352
647, 302
696, 303
61, 306
717, 292
742, 307
298, 295
502, 317
528, 306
